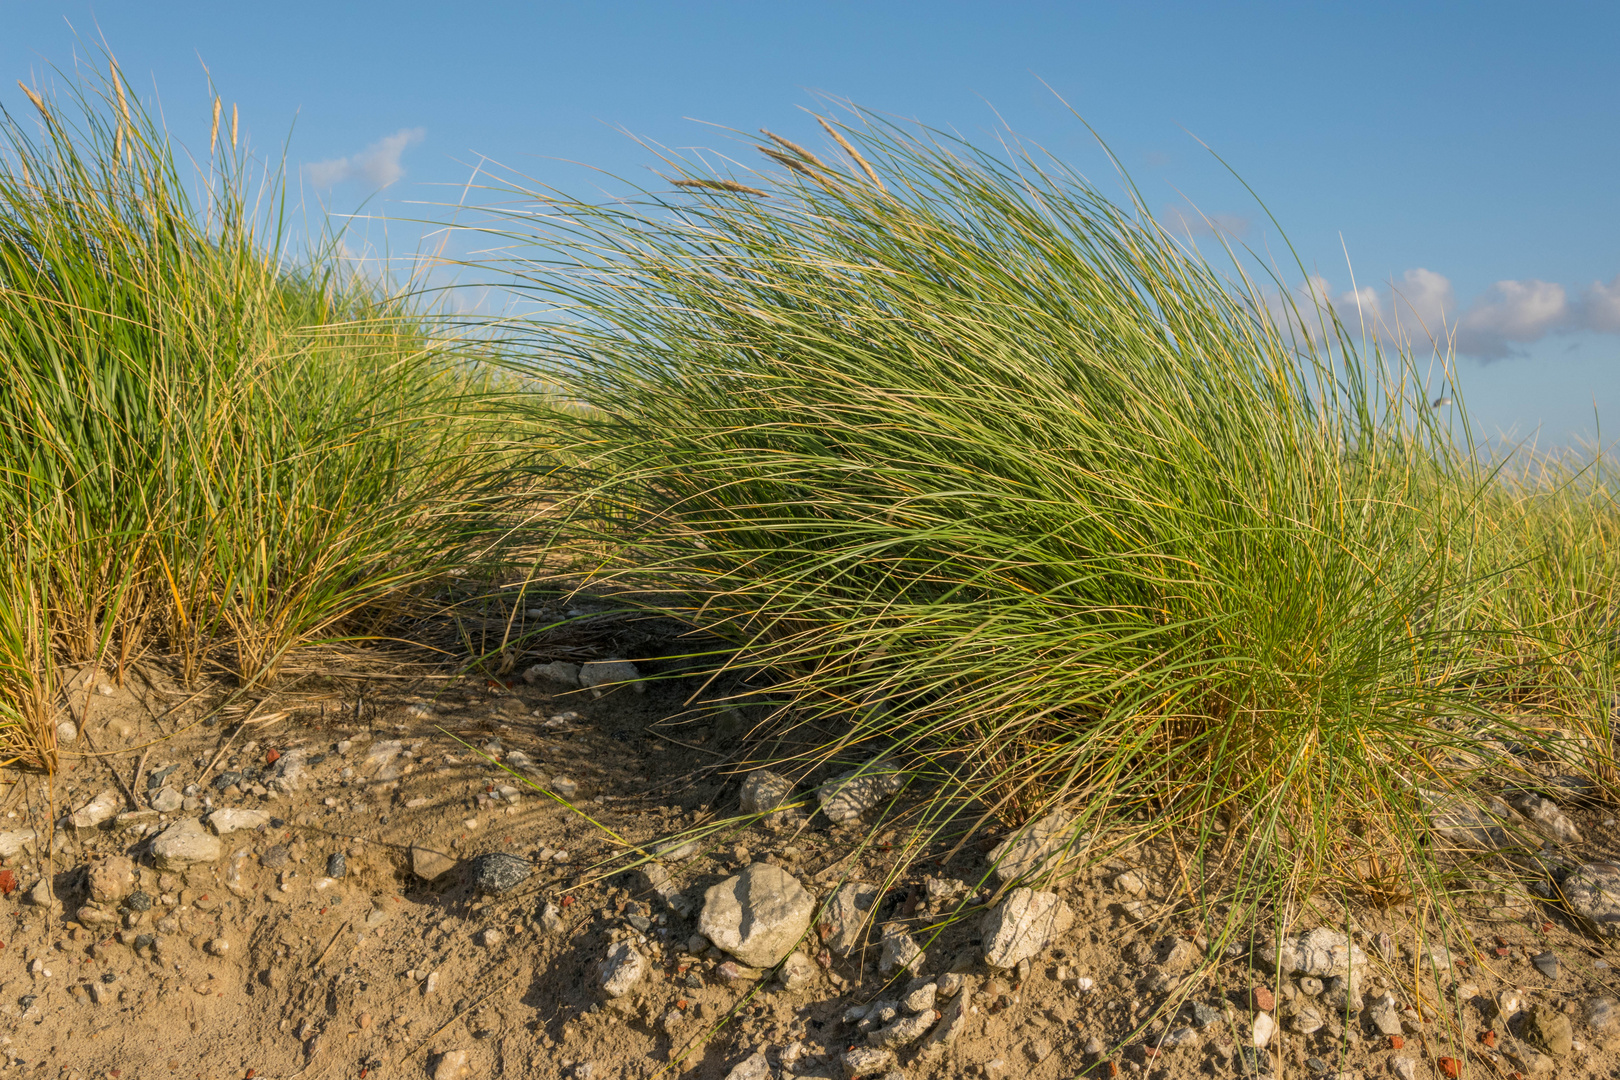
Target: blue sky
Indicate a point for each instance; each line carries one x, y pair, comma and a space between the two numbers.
1467, 153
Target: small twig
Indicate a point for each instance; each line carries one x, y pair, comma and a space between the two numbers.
326, 951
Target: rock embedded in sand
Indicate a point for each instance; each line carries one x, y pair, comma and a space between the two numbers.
15, 841
1264, 1028
764, 793
757, 916
902, 1032
851, 796
1038, 849
1550, 1030
558, 671
1385, 1014
102, 808
185, 843
600, 676
229, 820
1023, 925
843, 921
752, 1067
899, 952
1593, 895
165, 800
427, 864
499, 872
110, 879
621, 970
1320, 952
1491, 826
452, 1065
798, 972
862, 1061
1544, 816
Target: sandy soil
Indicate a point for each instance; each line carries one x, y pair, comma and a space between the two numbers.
263, 964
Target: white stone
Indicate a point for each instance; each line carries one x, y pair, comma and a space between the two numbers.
846, 915
185, 843
1038, 849
452, 1065
15, 841
753, 1067
1320, 952
102, 808
899, 951
600, 676
1264, 1028
229, 820
848, 797
1593, 894
165, 800
558, 671
1023, 925
622, 969
1547, 819
66, 733
757, 916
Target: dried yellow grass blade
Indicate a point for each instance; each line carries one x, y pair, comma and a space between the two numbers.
118, 85
233, 127
35, 98
793, 148
213, 134
854, 153
723, 185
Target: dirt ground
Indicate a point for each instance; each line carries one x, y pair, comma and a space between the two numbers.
272, 961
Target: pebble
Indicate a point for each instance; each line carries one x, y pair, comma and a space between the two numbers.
558, 671
844, 920
1385, 1014
764, 793
921, 999
849, 797
427, 864
165, 800
185, 843
229, 820
110, 879
899, 952
275, 857
1593, 894
1022, 926
757, 916
621, 970
600, 676
337, 865
752, 1067
865, 1061
1549, 1029
15, 841
499, 872
102, 808
491, 938
452, 1065
1601, 1013
1546, 963
218, 947
563, 787
1264, 1028
902, 1032
798, 972
1039, 847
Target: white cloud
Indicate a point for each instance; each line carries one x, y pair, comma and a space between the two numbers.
378, 165
1512, 313
1421, 308
1600, 307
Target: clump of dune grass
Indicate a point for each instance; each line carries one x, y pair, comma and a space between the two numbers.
214, 448
994, 475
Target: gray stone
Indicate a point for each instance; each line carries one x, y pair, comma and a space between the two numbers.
1546, 963
1593, 894
15, 841
1546, 818
551, 920
752, 1067
903, 1032
1307, 1019
764, 793
427, 864
849, 797
899, 951
1494, 826
622, 969
452, 1065
600, 676
1601, 1012
798, 972
228, 820
757, 916
844, 920
1320, 952
1037, 852
111, 879
953, 1022
102, 808
558, 671
862, 1061
920, 999
337, 865
497, 872
165, 800
185, 843
1022, 926
1550, 1030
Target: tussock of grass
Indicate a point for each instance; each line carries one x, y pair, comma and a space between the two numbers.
212, 449
993, 473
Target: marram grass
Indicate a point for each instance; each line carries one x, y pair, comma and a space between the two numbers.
994, 474
213, 449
